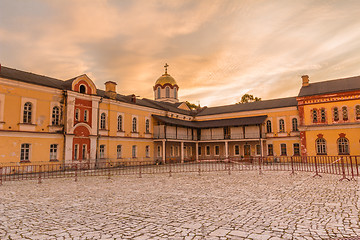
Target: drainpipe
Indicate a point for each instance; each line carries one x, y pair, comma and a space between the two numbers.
98, 133
64, 112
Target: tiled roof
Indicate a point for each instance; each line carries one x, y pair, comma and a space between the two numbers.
266, 104
331, 86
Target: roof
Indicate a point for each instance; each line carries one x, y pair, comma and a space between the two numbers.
28, 77
165, 79
266, 104
256, 120
331, 86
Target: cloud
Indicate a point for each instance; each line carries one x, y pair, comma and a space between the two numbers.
217, 50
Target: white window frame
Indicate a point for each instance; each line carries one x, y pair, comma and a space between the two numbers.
76, 151
284, 128
218, 147
158, 151
136, 124
84, 151
102, 148
134, 151
286, 151
257, 147
77, 114
320, 144
103, 121
147, 151
207, 147
236, 154
33, 110
25, 152
147, 126
53, 152
294, 149
121, 125
86, 115
119, 151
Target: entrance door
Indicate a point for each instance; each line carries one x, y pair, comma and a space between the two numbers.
247, 151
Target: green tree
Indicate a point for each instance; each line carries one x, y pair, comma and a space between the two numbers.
192, 106
246, 98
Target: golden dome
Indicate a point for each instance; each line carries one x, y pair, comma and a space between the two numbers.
165, 79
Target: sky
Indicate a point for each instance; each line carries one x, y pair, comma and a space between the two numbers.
216, 50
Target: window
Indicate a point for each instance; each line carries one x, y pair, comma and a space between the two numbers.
171, 151
217, 150
336, 114
77, 114
103, 121
102, 151
134, 124
85, 115
207, 148
175, 92
147, 126
118, 151
323, 115
25, 152
167, 92
199, 150
295, 125
320, 146
281, 125
270, 150
53, 151
76, 151
314, 116
357, 112
296, 147
268, 126
283, 149
158, 151
258, 149
177, 151
345, 113
343, 146
133, 152
82, 89
236, 150
158, 92
84, 151
119, 123
27, 112
55, 116
147, 151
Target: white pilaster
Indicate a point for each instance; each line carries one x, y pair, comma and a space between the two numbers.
68, 148
182, 152
197, 151
226, 150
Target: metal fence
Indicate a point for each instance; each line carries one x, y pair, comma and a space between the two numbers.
347, 167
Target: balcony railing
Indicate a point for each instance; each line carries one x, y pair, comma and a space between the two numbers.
208, 137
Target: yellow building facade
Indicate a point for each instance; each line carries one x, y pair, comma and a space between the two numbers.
47, 120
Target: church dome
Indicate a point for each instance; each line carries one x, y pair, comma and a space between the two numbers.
165, 79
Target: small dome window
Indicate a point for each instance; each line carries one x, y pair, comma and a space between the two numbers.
82, 89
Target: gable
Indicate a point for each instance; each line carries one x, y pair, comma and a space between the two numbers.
85, 81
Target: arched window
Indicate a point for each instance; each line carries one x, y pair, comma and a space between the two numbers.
314, 116
175, 92
343, 146
134, 124
77, 114
119, 123
55, 116
295, 125
82, 89
320, 146
281, 125
345, 113
85, 115
25, 152
323, 115
357, 112
27, 112
268, 126
167, 91
147, 126
103, 121
158, 92
336, 114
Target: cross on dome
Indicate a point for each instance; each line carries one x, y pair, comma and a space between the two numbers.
166, 66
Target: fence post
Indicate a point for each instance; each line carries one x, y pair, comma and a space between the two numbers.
39, 174
357, 167
170, 170
1, 176
292, 166
229, 163
199, 169
109, 171
260, 171
316, 168
76, 172
343, 170
140, 170
352, 170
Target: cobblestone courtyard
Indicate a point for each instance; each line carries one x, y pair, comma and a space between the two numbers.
242, 205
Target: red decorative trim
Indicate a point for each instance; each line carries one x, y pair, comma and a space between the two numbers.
342, 135
320, 135
166, 84
303, 143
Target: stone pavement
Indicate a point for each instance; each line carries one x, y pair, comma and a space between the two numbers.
242, 205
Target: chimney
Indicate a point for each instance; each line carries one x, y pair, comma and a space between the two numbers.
133, 98
305, 80
110, 89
